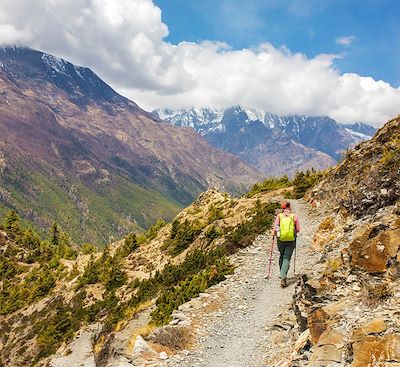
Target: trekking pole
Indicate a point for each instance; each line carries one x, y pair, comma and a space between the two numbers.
294, 260
270, 257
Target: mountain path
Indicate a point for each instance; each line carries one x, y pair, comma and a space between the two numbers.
235, 334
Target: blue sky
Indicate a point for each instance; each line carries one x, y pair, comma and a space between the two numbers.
309, 26
336, 58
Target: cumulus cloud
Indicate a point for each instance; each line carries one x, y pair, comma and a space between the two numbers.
346, 40
124, 42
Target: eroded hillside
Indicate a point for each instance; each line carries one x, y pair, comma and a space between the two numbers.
345, 308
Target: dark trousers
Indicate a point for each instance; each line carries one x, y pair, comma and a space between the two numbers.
285, 254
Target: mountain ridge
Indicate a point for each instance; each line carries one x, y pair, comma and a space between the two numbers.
258, 137
90, 145
316, 132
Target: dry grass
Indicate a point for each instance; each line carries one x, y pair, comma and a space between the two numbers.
327, 224
332, 265
174, 338
143, 331
98, 347
376, 294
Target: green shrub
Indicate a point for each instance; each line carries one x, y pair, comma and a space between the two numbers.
107, 270
213, 233
171, 298
181, 236
214, 213
269, 184
60, 326
301, 182
130, 244
16, 294
12, 224
245, 233
90, 274
88, 248
304, 181
8, 269
154, 229
31, 239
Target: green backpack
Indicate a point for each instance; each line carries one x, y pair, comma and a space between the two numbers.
286, 225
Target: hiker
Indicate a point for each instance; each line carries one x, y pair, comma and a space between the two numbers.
285, 230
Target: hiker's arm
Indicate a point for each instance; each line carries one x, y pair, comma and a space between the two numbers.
297, 223
276, 224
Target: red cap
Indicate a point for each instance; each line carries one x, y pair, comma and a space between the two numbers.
283, 205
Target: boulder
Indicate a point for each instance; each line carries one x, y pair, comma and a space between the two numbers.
375, 326
179, 316
331, 337
317, 323
375, 350
327, 353
372, 254
141, 346
302, 340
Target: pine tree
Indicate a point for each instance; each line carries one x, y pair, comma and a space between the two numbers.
12, 223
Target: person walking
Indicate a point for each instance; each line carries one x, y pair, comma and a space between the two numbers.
286, 229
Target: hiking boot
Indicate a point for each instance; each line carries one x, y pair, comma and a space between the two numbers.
283, 283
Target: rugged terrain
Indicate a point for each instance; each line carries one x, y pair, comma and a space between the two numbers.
144, 299
260, 138
346, 304
50, 291
75, 151
246, 306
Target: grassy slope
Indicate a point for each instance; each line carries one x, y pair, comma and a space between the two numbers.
88, 214
118, 282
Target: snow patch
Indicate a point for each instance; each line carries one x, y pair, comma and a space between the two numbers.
358, 137
56, 64
78, 71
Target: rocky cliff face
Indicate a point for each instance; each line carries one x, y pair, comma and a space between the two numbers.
274, 144
75, 151
368, 179
346, 305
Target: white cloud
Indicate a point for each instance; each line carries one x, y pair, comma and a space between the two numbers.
346, 40
123, 41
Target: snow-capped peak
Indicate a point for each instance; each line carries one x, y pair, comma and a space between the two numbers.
54, 63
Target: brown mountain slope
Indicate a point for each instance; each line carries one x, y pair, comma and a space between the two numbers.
75, 151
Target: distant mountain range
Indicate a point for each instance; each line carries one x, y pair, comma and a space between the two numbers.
75, 151
274, 144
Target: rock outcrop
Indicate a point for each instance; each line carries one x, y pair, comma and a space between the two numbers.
346, 305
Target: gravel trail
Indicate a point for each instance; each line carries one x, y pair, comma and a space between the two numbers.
235, 335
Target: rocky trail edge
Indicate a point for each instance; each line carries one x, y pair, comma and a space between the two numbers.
232, 330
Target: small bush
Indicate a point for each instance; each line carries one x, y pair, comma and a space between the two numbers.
151, 233
304, 181
213, 233
130, 244
301, 182
173, 297
174, 338
269, 184
88, 248
214, 213
245, 233
181, 236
